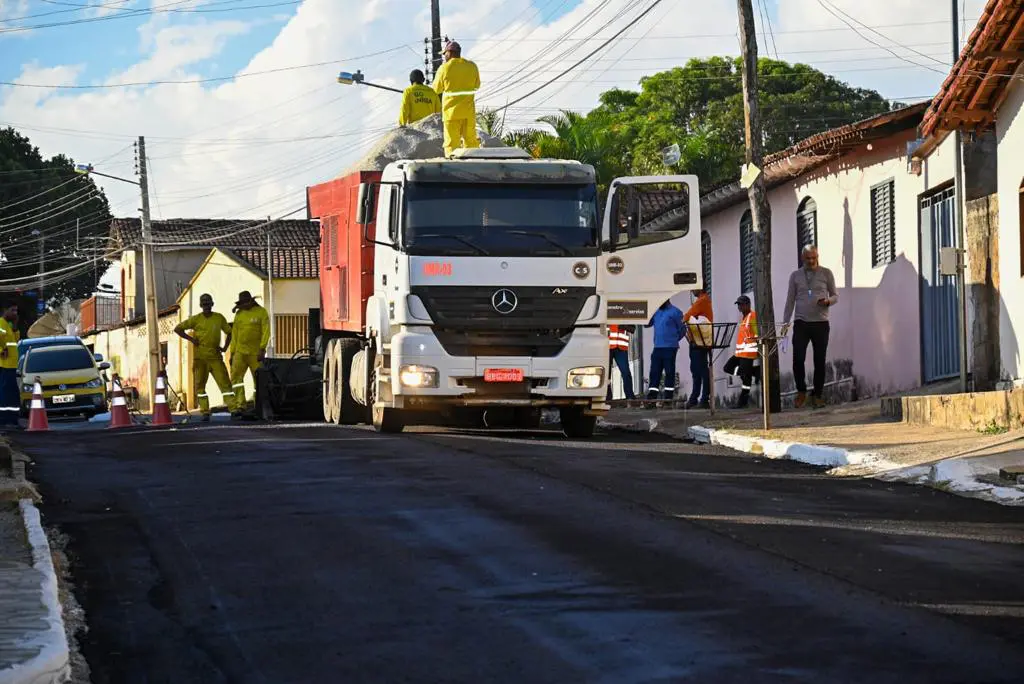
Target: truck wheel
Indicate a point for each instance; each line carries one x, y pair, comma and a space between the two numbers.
387, 420
332, 407
350, 410
576, 424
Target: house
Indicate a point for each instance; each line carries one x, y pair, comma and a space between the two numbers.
853, 192
219, 257
983, 98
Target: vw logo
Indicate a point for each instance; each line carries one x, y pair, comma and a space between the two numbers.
62, 387
504, 301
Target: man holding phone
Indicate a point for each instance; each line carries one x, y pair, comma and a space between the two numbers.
812, 292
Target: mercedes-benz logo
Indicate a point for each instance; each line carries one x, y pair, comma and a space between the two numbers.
504, 301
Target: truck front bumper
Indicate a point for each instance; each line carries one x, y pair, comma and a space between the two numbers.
460, 379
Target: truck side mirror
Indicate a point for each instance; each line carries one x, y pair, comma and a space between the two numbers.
367, 204
633, 217
614, 229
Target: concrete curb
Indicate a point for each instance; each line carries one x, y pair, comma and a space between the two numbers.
955, 475
52, 665
642, 425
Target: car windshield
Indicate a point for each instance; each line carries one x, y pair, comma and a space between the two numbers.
62, 359
500, 220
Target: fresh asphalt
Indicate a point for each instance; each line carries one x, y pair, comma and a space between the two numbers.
307, 554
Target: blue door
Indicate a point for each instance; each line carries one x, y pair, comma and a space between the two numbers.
940, 343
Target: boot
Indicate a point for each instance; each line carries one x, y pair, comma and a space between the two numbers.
801, 399
744, 399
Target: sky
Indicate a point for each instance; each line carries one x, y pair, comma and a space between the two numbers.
248, 143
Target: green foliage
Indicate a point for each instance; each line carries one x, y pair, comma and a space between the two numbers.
699, 106
23, 175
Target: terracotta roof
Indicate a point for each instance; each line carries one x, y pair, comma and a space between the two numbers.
815, 151
228, 233
288, 262
977, 85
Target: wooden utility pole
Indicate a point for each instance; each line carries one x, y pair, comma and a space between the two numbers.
760, 210
435, 37
149, 277
961, 244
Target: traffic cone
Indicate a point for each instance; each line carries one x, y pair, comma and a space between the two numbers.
161, 411
37, 421
119, 417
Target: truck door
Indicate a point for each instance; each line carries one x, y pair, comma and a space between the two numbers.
650, 245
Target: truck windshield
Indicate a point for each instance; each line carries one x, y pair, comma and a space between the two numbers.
500, 220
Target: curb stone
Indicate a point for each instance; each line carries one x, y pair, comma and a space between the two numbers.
953, 475
52, 665
642, 425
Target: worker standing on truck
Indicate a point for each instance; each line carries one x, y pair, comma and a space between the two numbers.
206, 328
250, 334
10, 393
418, 100
457, 81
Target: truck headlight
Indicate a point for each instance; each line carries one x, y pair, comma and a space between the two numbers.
589, 377
28, 388
94, 383
417, 376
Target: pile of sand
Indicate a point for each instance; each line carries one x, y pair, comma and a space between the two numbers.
421, 140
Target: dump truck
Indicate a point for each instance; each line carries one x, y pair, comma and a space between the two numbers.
477, 289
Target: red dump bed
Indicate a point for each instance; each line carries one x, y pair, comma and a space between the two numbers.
346, 258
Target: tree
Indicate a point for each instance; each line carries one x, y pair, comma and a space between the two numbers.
700, 107
45, 204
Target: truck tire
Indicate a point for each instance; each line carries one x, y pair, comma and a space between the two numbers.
332, 407
351, 412
576, 424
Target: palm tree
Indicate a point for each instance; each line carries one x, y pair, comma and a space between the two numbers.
586, 139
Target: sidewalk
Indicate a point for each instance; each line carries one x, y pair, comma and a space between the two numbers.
33, 645
852, 440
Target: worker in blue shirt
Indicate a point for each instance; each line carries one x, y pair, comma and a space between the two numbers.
669, 330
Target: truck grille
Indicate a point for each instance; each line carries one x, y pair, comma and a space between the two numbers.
466, 322
472, 308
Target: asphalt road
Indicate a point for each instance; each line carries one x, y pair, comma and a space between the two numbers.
315, 554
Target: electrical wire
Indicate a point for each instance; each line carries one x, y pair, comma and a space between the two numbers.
29, 199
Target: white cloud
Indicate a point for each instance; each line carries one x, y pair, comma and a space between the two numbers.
216, 148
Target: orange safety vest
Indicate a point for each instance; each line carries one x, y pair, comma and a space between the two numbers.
618, 338
746, 342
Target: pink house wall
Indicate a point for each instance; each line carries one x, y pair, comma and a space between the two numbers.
876, 332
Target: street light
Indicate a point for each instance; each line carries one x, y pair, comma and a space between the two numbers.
347, 78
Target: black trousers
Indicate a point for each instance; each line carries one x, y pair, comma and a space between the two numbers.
815, 334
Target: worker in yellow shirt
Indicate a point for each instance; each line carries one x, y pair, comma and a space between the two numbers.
418, 100
457, 82
250, 334
10, 393
206, 328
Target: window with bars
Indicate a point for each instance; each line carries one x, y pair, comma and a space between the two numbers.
883, 223
747, 252
705, 260
806, 227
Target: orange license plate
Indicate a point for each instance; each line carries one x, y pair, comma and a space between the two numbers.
503, 375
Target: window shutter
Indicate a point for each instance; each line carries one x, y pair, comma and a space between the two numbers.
883, 224
747, 253
705, 259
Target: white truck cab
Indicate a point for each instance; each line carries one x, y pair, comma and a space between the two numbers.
495, 277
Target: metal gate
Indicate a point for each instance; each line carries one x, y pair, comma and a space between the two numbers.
940, 351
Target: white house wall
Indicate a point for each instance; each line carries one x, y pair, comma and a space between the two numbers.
876, 330
1010, 138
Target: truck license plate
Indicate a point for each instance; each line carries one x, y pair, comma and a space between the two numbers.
64, 399
503, 375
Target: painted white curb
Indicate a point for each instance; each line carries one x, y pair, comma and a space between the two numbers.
956, 475
52, 664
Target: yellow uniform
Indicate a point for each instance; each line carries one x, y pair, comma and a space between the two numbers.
458, 80
9, 337
418, 101
10, 393
207, 359
250, 334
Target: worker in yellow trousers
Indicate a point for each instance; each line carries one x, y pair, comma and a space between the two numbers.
456, 82
250, 334
418, 101
206, 328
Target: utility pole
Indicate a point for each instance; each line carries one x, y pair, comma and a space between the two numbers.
435, 37
149, 277
760, 210
958, 176
270, 294
41, 305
